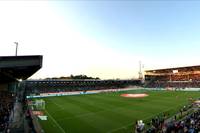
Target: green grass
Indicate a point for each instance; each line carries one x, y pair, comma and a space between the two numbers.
108, 112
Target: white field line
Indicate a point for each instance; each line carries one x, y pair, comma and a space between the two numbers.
60, 106
90, 113
129, 124
143, 119
82, 115
86, 114
77, 116
63, 131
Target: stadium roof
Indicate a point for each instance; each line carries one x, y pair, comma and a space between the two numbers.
176, 69
13, 68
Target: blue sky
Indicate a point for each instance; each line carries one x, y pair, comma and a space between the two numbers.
139, 27
103, 39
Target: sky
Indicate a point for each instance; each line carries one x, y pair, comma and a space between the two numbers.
105, 39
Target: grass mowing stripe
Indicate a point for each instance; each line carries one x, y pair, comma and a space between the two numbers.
56, 104
82, 115
109, 113
63, 131
105, 110
143, 118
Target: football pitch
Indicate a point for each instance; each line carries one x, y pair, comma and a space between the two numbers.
109, 112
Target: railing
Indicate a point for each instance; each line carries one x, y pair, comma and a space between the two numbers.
36, 125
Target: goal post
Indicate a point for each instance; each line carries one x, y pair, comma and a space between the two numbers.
37, 105
40, 104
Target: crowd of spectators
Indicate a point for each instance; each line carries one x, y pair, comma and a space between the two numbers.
6, 105
45, 86
177, 84
194, 77
37, 91
180, 81
190, 124
187, 120
180, 78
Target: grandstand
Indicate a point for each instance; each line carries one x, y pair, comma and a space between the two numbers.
179, 77
35, 87
25, 110
13, 70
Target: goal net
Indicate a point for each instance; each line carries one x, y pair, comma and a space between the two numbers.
38, 105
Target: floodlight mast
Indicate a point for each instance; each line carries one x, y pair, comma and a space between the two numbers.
140, 70
16, 48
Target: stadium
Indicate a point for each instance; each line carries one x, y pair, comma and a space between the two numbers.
166, 100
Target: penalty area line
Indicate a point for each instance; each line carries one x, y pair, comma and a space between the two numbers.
63, 131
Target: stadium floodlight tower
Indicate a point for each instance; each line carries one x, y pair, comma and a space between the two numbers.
16, 48
140, 70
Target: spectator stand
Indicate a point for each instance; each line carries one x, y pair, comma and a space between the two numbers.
187, 119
